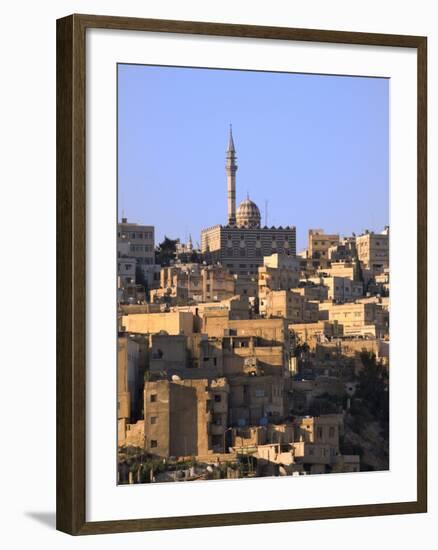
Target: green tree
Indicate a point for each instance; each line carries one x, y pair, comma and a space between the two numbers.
195, 258
165, 251
373, 388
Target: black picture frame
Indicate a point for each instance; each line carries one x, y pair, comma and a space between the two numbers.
71, 271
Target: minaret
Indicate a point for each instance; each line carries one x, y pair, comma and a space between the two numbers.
231, 168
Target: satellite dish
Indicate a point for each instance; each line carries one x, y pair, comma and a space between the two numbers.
175, 377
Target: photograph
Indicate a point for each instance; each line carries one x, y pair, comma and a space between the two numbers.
253, 281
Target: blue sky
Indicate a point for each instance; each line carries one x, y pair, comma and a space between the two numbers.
315, 147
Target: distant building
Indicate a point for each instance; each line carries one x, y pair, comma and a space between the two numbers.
174, 322
340, 289
186, 252
126, 268
138, 241
195, 282
342, 269
344, 251
241, 244
320, 242
357, 319
373, 250
313, 333
290, 305
278, 272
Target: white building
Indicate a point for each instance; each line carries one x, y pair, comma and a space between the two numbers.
138, 242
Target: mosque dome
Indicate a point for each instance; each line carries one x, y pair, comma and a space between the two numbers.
248, 214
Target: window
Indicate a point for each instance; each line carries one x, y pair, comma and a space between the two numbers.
217, 398
319, 433
331, 432
154, 419
153, 398
154, 443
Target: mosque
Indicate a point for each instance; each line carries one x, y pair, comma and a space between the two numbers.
241, 244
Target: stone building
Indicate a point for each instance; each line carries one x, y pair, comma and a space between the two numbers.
185, 417
256, 400
348, 269
241, 244
289, 305
278, 272
181, 283
340, 289
126, 267
373, 250
267, 331
236, 307
138, 241
198, 356
306, 445
193, 356
358, 318
251, 355
317, 446
313, 333
128, 382
319, 243
344, 251
173, 322
262, 346
312, 291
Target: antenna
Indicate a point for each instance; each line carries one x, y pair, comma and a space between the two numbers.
266, 212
